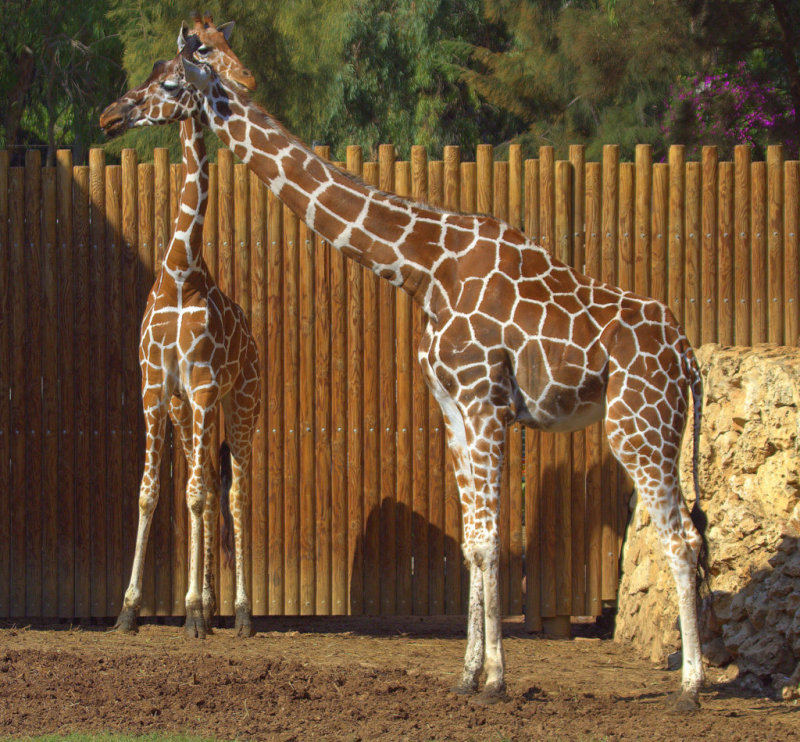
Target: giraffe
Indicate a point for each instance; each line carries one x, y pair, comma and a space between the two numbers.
196, 354
512, 334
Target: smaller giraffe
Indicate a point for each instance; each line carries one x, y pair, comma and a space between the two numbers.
196, 354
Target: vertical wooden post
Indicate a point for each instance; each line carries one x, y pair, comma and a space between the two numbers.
33, 370
708, 258
275, 421
691, 267
791, 229
594, 433
5, 392
420, 419
775, 251
676, 244
741, 241
49, 339
643, 228
321, 379
405, 360
660, 222
437, 459
356, 485
291, 392
533, 495
259, 525
758, 252
727, 267
626, 254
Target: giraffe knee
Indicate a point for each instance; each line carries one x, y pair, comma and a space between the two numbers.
147, 503
196, 500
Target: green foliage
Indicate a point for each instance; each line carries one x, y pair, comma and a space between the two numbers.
586, 72
59, 63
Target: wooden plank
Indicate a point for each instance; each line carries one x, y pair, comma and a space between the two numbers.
741, 276
115, 558
405, 362
242, 280
371, 431
98, 375
420, 418
321, 342
49, 464
388, 414
610, 469
775, 250
146, 277
33, 372
643, 226
161, 533
533, 615
676, 245
514, 439
626, 254
258, 326
563, 443
275, 421
5, 394
291, 391
17, 414
691, 268
791, 229
438, 460
548, 508
594, 433
577, 159
453, 561
307, 482
226, 280
758, 253
708, 256
659, 232
82, 418
131, 322
355, 437
727, 267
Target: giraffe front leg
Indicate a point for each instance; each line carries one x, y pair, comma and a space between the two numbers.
202, 431
210, 515
155, 424
473, 659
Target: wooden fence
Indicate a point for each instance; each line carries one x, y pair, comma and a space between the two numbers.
354, 508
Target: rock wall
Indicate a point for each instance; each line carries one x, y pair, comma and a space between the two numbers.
749, 474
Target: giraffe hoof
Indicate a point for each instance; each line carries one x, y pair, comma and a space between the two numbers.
464, 689
491, 694
244, 626
126, 623
195, 627
684, 703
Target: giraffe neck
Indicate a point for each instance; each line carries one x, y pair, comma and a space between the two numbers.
185, 254
398, 240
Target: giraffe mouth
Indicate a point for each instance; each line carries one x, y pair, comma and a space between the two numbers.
114, 120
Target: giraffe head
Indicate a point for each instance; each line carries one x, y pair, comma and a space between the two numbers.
172, 92
215, 50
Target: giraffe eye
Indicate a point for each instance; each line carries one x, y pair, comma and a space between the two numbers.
170, 86
203, 50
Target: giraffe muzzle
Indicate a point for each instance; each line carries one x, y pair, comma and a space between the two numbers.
115, 119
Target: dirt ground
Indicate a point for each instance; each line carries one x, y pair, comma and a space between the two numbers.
354, 679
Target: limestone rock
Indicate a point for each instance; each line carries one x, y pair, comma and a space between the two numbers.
749, 472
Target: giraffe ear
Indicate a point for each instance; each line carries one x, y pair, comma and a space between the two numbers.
196, 75
226, 29
182, 34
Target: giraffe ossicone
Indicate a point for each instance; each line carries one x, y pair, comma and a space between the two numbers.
197, 355
512, 334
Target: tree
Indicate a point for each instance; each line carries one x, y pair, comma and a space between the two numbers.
591, 72
58, 65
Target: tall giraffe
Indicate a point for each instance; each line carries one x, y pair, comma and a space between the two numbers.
512, 334
196, 352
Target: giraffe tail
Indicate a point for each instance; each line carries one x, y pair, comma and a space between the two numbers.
225, 481
699, 518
